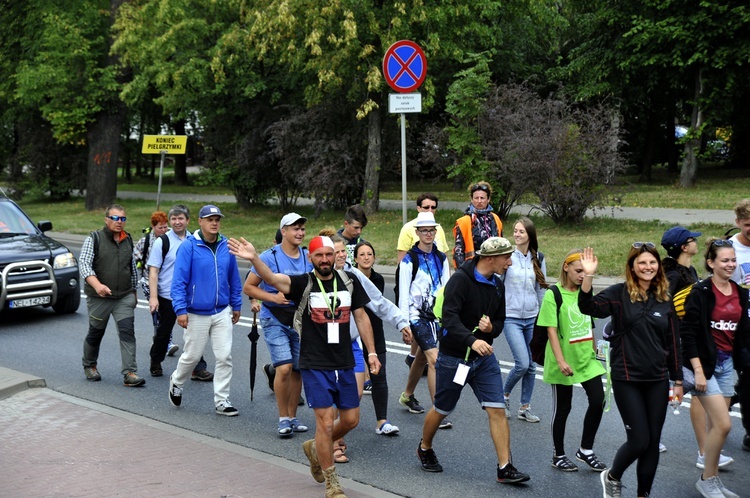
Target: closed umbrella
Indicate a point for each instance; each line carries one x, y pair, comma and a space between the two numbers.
253, 336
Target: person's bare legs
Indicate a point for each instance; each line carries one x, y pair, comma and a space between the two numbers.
287, 385
431, 423
719, 426
415, 372
500, 433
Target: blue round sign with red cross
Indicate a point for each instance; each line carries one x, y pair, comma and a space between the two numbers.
404, 66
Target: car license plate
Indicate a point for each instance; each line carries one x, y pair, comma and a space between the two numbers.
32, 301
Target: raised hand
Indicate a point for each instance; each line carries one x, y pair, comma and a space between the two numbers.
589, 261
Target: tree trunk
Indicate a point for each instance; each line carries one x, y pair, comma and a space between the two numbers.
692, 146
180, 160
103, 138
371, 193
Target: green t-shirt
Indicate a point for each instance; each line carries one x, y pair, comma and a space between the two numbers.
576, 340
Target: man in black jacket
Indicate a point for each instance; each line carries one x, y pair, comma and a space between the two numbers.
473, 316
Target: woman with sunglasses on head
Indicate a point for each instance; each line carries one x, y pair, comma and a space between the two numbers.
715, 326
645, 355
477, 224
525, 284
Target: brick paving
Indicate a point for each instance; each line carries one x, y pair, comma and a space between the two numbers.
59, 446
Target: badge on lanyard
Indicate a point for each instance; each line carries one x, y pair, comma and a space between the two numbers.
333, 327
333, 333
461, 372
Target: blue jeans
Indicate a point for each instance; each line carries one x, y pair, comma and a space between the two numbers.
518, 332
484, 378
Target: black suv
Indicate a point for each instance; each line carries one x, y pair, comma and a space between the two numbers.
35, 270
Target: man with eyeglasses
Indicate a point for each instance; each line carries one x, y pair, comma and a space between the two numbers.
421, 273
110, 279
207, 299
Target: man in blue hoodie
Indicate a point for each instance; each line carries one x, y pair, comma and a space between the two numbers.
207, 298
422, 271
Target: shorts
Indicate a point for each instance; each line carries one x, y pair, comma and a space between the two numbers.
425, 333
359, 357
722, 381
484, 377
326, 388
282, 342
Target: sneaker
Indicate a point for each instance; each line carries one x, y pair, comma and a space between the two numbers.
662, 448
591, 461
445, 424
387, 429
131, 379
367, 389
525, 414
725, 491
723, 461
563, 463
175, 393
202, 375
429, 459
709, 488
270, 375
610, 488
309, 448
510, 475
298, 426
411, 403
172, 348
746, 442
92, 374
225, 408
285, 428
506, 400
156, 370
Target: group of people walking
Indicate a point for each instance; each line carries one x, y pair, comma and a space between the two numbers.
322, 311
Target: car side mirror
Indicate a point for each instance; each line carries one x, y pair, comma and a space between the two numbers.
44, 226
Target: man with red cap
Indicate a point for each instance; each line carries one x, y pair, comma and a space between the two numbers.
326, 360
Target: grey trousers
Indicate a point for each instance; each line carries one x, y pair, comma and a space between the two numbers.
122, 310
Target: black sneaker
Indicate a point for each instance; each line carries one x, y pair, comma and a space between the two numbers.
270, 374
156, 370
411, 403
429, 459
175, 394
225, 408
510, 475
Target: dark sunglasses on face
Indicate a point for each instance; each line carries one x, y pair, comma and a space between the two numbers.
114, 217
638, 245
431, 208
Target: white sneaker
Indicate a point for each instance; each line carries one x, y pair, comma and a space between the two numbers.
525, 414
662, 448
709, 488
724, 460
725, 491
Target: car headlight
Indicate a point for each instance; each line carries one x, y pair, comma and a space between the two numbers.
66, 260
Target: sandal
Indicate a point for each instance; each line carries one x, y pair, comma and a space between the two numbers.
563, 463
591, 460
339, 457
341, 445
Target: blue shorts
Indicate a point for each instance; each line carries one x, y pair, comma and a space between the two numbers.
282, 341
326, 388
359, 357
722, 382
484, 377
425, 333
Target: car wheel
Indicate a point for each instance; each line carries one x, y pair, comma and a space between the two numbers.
68, 304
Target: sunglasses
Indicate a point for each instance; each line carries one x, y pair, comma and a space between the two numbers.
638, 245
722, 243
427, 231
431, 208
483, 188
114, 217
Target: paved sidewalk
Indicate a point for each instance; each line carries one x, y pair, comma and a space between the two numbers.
58, 445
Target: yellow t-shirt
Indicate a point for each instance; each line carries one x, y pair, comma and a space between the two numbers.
408, 237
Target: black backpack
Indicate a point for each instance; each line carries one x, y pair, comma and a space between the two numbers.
539, 339
414, 256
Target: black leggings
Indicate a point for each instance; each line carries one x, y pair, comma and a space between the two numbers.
643, 408
380, 390
562, 397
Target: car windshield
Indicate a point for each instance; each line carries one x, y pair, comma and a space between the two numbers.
14, 222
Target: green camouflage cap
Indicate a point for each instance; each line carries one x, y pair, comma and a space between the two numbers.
495, 246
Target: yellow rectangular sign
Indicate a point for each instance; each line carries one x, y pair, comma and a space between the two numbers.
171, 144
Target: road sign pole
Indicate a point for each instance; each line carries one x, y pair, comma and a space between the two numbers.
403, 167
161, 173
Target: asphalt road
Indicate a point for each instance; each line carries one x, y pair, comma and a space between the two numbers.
39, 342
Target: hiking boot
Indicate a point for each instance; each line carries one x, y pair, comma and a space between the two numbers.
411, 403
270, 375
309, 448
429, 459
156, 370
131, 379
611, 488
225, 408
333, 488
175, 393
92, 374
172, 349
202, 375
510, 475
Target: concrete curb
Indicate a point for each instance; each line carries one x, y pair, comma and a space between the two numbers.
12, 382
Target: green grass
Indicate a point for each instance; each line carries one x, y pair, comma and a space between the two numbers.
610, 238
